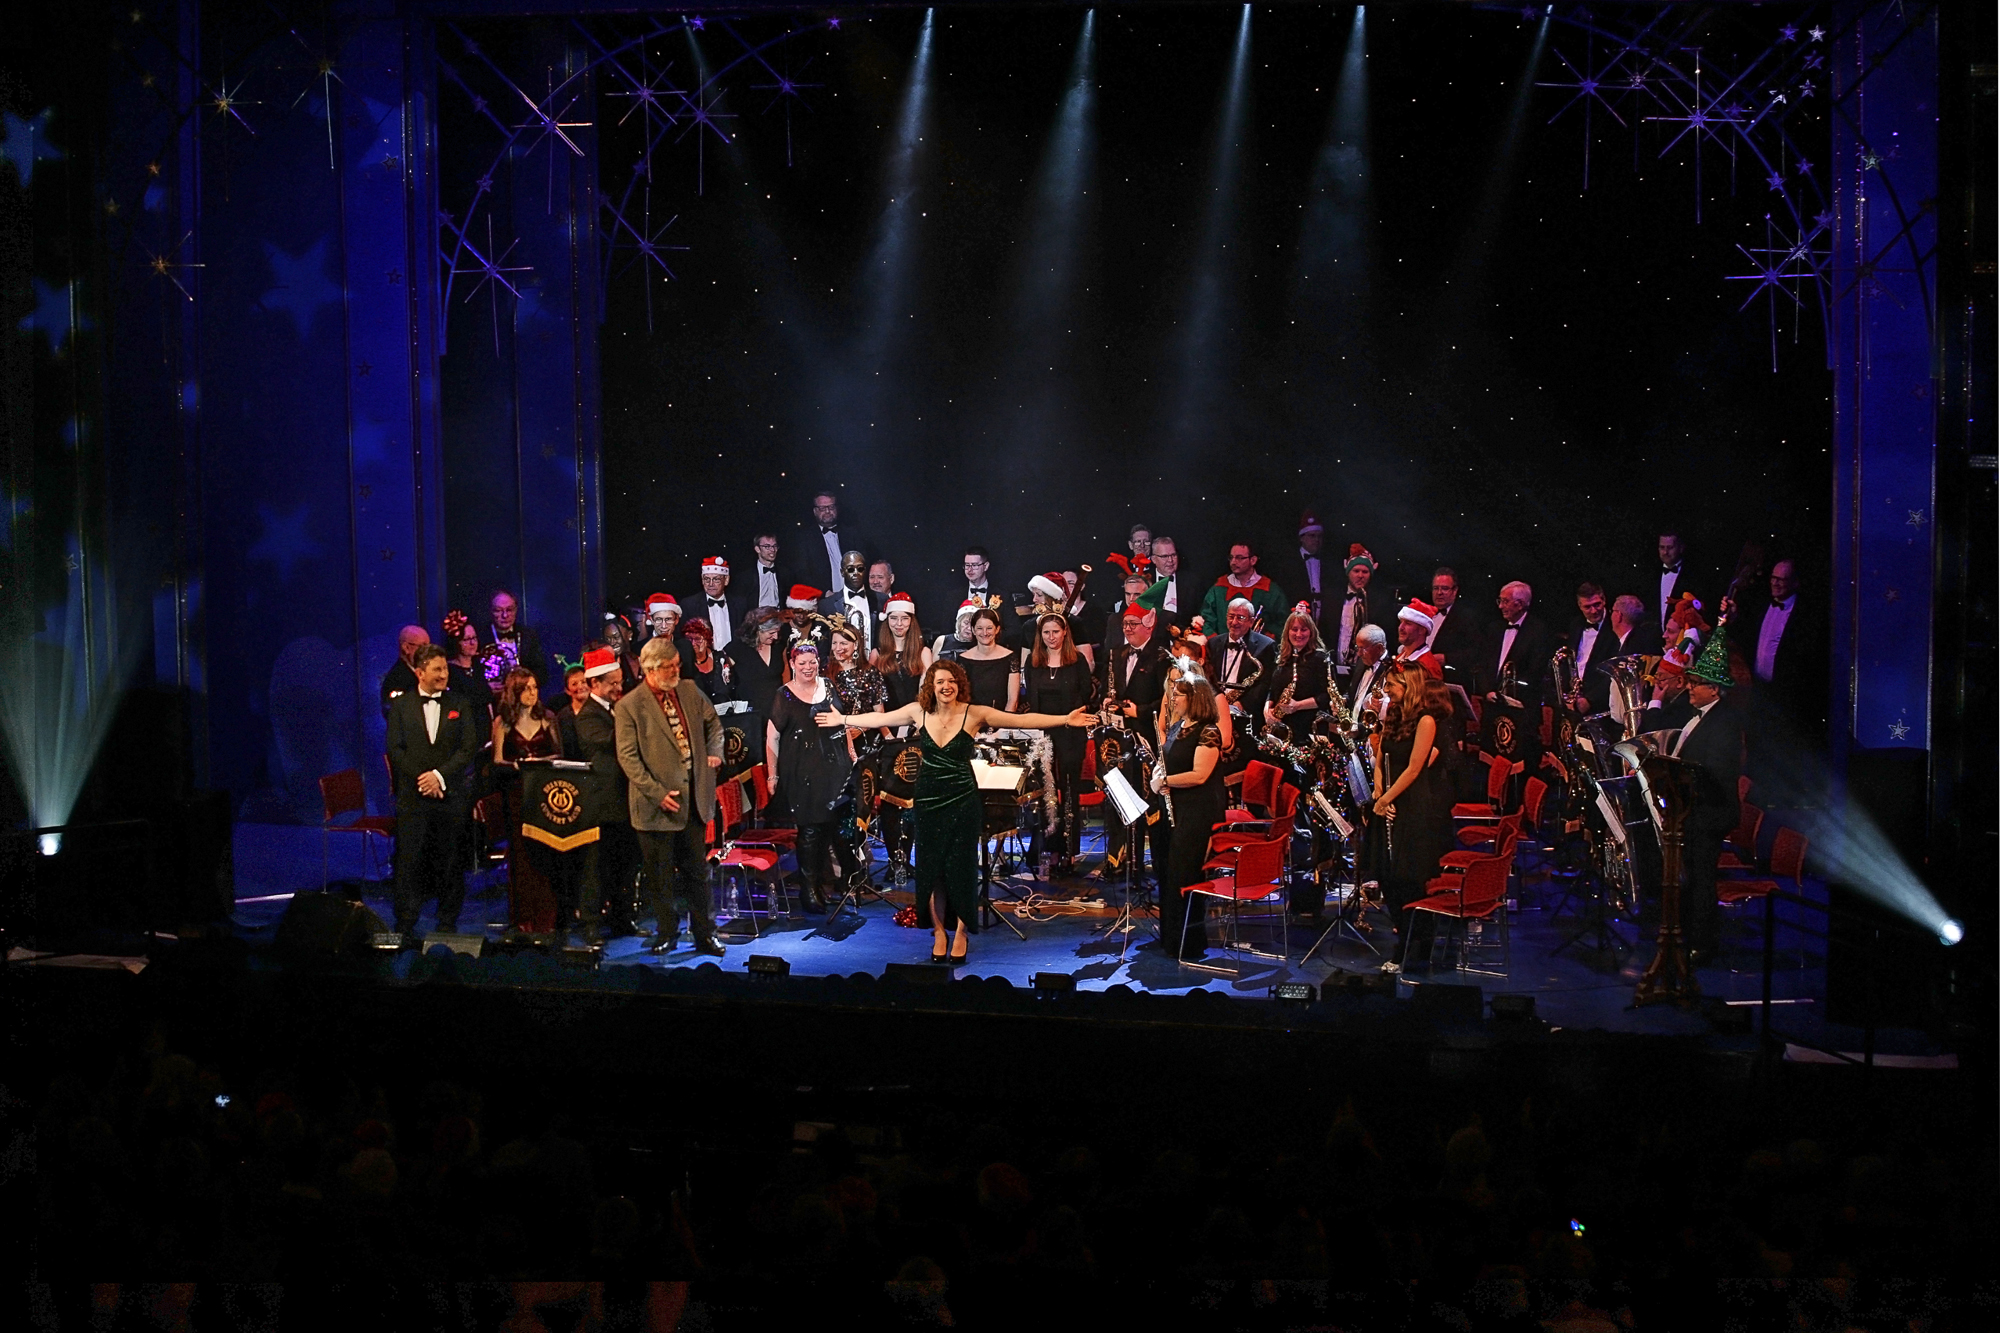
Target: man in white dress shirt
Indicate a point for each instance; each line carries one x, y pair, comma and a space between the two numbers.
769, 591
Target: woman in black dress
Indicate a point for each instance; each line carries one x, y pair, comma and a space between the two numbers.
1303, 669
900, 654
461, 642
1059, 680
993, 669
713, 674
812, 765
948, 813
525, 729
1415, 799
757, 668
1192, 748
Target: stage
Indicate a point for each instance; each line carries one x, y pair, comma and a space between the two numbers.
1064, 925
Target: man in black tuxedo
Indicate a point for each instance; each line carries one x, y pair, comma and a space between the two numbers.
1711, 738
976, 564
1455, 639
854, 599
1178, 602
1137, 671
1238, 654
434, 735
824, 541
1787, 649
1311, 577
1672, 576
401, 678
611, 863
713, 603
1593, 642
1631, 631
506, 627
1348, 611
1520, 639
1371, 661
768, 588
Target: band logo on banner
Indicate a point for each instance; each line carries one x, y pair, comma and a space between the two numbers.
555, 806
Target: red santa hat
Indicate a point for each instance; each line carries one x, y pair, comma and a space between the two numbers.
968, 606
1049, 585
1309, 522
899, 601
1419, 612
802, 597
714, 564
599, 662
662, 601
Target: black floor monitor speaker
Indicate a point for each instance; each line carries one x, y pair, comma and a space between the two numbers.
324, 927
1448, 1003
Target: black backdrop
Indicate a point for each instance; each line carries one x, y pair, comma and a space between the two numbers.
1511, 374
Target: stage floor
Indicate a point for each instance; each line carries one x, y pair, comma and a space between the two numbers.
1573, 988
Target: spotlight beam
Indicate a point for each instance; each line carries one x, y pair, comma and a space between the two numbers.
1201, 348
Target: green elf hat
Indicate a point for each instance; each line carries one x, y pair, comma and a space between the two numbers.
1712, 667
1154, 598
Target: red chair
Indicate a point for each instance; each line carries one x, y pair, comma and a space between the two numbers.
1524, 819
1498, 773
741, 864
1261, 782
1465, 857
1259, 878
1740, 849
1744, 783
1479, 894
342, 794
1788, 860
1235, 832
761, 788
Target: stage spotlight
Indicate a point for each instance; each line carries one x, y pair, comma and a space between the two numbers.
1950, 933
1294, 993
769, 966
51, 843
1054, 983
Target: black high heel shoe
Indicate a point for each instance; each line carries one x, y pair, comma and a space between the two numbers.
958, 959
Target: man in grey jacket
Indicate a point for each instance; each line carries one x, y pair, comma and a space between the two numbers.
669, 747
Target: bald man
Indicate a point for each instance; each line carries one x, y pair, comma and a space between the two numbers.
401, 679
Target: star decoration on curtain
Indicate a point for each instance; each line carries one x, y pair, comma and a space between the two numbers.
27, 142
300, 286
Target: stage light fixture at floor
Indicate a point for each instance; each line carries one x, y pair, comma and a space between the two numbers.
1054, 983
769, 967
1517, 1008
1294, 992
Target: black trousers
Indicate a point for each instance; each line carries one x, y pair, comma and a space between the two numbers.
815, 841
1701, 916
612, 880
682, 855
429, 835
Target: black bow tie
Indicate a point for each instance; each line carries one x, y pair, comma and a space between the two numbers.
1513, 624
1670, 569
767, 569
430, 699
1597, 625
1235, 646
717, 601
824, 529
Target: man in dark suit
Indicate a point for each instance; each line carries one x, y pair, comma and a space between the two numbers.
1309, 575
1371, 661
855, 600
506, 628
1179, 600
1787, 651
1241, 653
1521, 641
434, 735
669, 747
401, 678
1673, 575
612, 862
1711, 738
1592, 642
768, 582
713, 603
823, 542
1455, 640
1137, 671
1348, 611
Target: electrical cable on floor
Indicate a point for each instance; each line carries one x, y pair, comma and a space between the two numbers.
1041, 908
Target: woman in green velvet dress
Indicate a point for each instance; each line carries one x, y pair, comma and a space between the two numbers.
948, 814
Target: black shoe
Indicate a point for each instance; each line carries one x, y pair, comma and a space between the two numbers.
710, 946
663, 944
959, 959
940, 958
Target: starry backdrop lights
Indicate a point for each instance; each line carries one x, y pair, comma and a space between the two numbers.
1302, 259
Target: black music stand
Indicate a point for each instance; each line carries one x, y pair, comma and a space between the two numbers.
1130, 807
986, 908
